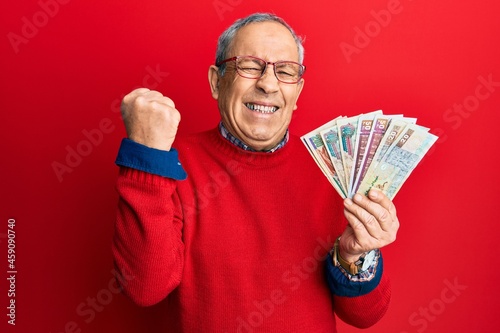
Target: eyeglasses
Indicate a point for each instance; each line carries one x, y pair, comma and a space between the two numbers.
253, 68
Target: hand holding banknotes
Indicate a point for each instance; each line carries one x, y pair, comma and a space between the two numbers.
373, 224
367, 158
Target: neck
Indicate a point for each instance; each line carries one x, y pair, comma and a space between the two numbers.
241, 144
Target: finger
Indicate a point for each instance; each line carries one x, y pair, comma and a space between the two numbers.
354, 222
156, 97
132, 96
382, 214
139, 91
385, 214
362, 240
151, 101
360, 218
380, 198
168, 101
146, 95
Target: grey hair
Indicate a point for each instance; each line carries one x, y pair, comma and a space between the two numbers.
228, 35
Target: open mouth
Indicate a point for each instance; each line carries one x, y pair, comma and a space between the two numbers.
261, 108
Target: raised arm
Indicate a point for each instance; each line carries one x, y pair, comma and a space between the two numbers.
148, 233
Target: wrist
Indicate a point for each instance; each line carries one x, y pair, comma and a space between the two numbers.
347, 257
342, 253
353, 264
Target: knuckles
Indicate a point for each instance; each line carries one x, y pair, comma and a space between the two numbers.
149, 103
150, 118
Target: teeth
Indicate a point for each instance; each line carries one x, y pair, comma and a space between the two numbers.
261, 108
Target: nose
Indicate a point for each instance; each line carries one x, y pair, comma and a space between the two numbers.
268, 82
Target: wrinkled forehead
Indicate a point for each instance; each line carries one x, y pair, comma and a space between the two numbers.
271, 41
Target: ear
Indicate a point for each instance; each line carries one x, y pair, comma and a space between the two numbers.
300, 86
213, 79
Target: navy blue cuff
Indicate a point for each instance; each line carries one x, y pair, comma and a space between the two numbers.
341, 285
151, 160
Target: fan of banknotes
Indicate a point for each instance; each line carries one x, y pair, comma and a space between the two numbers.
369, 150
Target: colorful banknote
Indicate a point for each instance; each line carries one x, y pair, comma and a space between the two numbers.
365, 124
331, 139
374, 132
369, 150
318, 151
347, 129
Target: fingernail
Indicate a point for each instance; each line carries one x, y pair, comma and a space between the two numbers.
348, 202
358, 197
373, 194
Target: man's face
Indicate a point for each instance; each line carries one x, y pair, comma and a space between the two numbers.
241, 100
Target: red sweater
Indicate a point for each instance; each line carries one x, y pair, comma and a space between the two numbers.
239, 246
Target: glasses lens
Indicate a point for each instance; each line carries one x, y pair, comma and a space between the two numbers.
253, 68
289, 72
250, 67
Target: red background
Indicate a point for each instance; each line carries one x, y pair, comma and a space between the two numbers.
63, 78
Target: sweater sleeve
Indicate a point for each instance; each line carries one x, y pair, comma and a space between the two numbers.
359, 303
148, 235
159, 162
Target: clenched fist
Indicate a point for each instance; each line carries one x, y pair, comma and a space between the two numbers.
150, 118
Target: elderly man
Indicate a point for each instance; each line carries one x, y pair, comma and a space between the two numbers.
244, 235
